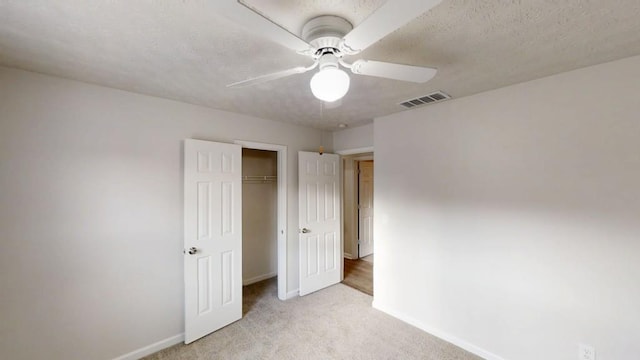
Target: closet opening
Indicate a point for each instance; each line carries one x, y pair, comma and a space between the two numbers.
259, 215
259, 221
264, 219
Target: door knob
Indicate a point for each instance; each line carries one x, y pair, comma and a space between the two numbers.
305, 230
192, 250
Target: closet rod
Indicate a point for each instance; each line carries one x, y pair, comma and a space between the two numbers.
259, 178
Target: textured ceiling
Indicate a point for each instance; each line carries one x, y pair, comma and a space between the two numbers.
183, 50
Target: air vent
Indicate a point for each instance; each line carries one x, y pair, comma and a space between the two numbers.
427, 99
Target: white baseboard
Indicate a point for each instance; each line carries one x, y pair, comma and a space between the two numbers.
153, 348
440, 334
293, 294
348, 256
258, 278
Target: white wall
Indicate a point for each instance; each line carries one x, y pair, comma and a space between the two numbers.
259, 216
509, 220
353, 138
91, 213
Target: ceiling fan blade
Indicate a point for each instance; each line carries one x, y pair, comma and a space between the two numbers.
392, 15
252, 20
387, 70
269, 77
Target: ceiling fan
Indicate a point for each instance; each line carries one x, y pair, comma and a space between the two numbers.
327, 39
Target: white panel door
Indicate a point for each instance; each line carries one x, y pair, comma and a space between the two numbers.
213, 236
365, 208
319, 220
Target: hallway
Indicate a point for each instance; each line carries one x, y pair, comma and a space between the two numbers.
358, 274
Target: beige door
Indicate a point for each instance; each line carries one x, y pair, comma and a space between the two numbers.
365, 208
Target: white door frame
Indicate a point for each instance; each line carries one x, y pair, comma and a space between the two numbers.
345, 211
353, 155
282, 209
362, 150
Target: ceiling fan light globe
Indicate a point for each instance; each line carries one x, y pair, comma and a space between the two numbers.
330, 84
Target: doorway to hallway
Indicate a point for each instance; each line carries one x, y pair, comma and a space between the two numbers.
358, 274
358, 221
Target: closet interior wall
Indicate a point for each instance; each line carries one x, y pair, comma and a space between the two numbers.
259, 215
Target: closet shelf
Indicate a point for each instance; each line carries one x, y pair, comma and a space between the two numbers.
259, 178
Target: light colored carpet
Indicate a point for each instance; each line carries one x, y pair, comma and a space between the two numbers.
334, 323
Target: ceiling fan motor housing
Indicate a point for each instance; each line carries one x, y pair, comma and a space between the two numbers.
325, 33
